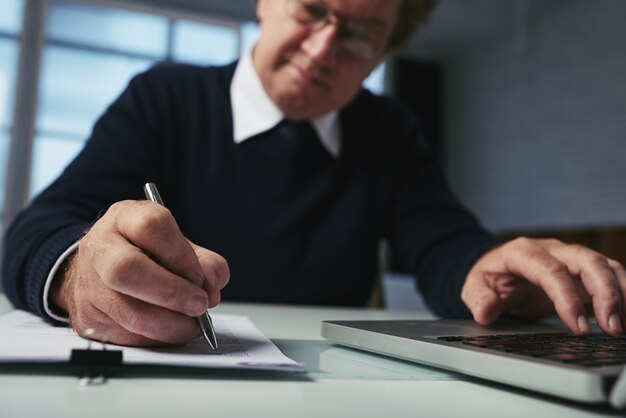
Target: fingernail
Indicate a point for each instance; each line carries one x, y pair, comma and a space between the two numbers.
583, 325
615, 324
196, 306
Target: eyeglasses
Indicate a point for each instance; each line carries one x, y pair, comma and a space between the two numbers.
354, 37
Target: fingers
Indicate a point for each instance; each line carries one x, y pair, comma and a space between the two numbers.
216, 272
152, 228
120, 318
525, 259
128, 270
490, 291
148, 322
542, 269
134, 325
535, 271
600, 281
620, 274
484, 303
138, 281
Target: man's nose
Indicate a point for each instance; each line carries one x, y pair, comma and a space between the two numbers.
321, 45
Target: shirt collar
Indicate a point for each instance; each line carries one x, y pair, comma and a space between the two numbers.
254, 112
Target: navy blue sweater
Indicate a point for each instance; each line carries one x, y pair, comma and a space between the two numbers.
307, 238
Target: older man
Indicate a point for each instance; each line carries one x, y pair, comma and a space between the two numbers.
282, 165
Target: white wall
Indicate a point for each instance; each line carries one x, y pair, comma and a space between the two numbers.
535, 120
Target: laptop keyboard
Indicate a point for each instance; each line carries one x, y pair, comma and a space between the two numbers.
595, 350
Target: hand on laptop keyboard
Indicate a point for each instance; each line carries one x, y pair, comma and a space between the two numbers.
536, 278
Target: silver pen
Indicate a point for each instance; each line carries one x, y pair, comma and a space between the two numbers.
206, 324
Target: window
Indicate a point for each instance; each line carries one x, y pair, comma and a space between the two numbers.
376, 80
8, 66
205, 44
75, 88
90, 54
4, 154
116, 29
249, 35
11, 16
10, 28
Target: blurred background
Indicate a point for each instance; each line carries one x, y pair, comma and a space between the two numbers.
525, 100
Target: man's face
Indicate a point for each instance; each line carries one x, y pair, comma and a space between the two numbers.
306, 70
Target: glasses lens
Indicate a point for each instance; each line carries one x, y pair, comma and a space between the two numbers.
354, 37
308, 11
360, 41
359, 49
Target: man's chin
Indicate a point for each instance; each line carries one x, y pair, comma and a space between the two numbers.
300, 114
299, 107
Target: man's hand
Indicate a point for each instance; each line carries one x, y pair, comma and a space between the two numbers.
136, 280
534, 278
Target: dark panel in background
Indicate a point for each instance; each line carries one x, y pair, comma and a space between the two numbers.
417, 84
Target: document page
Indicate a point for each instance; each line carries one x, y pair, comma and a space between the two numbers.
27, 338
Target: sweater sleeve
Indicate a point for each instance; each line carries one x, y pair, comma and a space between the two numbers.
431, 234
117, 159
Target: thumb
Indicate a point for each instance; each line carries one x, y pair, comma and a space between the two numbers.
483, 302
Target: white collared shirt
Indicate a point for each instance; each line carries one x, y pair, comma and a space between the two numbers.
254, 112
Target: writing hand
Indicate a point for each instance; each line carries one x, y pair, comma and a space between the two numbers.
535, 278
136, 280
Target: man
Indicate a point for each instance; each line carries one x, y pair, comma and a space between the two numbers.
286, 168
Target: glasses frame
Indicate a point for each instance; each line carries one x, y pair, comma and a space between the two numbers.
353, 36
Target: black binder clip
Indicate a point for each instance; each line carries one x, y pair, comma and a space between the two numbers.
95, 362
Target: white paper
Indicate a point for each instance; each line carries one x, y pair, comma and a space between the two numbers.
27, 338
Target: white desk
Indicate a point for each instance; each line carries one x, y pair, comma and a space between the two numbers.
339, 383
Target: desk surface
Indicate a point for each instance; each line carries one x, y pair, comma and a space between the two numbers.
339, 382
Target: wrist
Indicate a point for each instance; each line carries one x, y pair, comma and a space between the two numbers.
60, 286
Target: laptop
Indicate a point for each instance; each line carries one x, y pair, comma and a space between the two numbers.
541, 357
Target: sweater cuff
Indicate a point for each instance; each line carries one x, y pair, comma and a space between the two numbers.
443, 294
41, 264
57, 316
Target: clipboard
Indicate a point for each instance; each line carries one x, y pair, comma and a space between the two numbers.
30, 345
